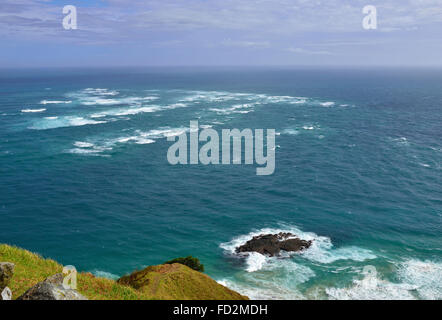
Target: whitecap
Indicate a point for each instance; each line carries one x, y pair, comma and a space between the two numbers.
33, 110
101, 91
88, 148
55, 102
327, 104
292, 132
99, 101
67, 121
237, 108
401, 141
81, 144
135, 139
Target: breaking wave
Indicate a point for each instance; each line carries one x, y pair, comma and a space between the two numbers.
416, 280
61, 122
321, 250
282, 277
33, 110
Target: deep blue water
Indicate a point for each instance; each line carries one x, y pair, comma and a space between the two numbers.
84, 177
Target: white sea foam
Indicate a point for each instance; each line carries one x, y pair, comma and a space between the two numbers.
283, 99
88, 148
81, 144
238, 108
321, 249
292, 132
83, 151
138, 137
425, 276
60, 122
33, 110
101, 92
372, 287
136, 110
327, 104
255, 261
55, 102
91, 97
126, 111
279, 278
135, 139
402, 141
99, 101
416, 280
163, 132
104, 274
212, 96
220, 96
174, 106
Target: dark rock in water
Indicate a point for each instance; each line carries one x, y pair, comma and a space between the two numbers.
272, 244
6, 273
51, 289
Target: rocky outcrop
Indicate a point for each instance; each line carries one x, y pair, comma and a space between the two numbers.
272, 244
51, 289
6, 273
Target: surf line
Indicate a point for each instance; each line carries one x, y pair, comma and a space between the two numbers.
209, 153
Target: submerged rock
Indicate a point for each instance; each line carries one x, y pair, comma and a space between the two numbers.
272, 244
51, 289
6, 273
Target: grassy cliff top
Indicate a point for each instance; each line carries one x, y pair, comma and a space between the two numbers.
178, 282
174, 281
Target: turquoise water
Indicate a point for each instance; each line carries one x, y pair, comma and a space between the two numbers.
84, 177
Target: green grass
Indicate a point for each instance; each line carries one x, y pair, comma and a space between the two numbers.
178, 282
174, 281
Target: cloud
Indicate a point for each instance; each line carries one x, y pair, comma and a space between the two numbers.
309, 52
245, 44
117, 20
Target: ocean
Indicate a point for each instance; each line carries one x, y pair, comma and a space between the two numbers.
84, 176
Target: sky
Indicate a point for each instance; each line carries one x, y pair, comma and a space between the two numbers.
220, 33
